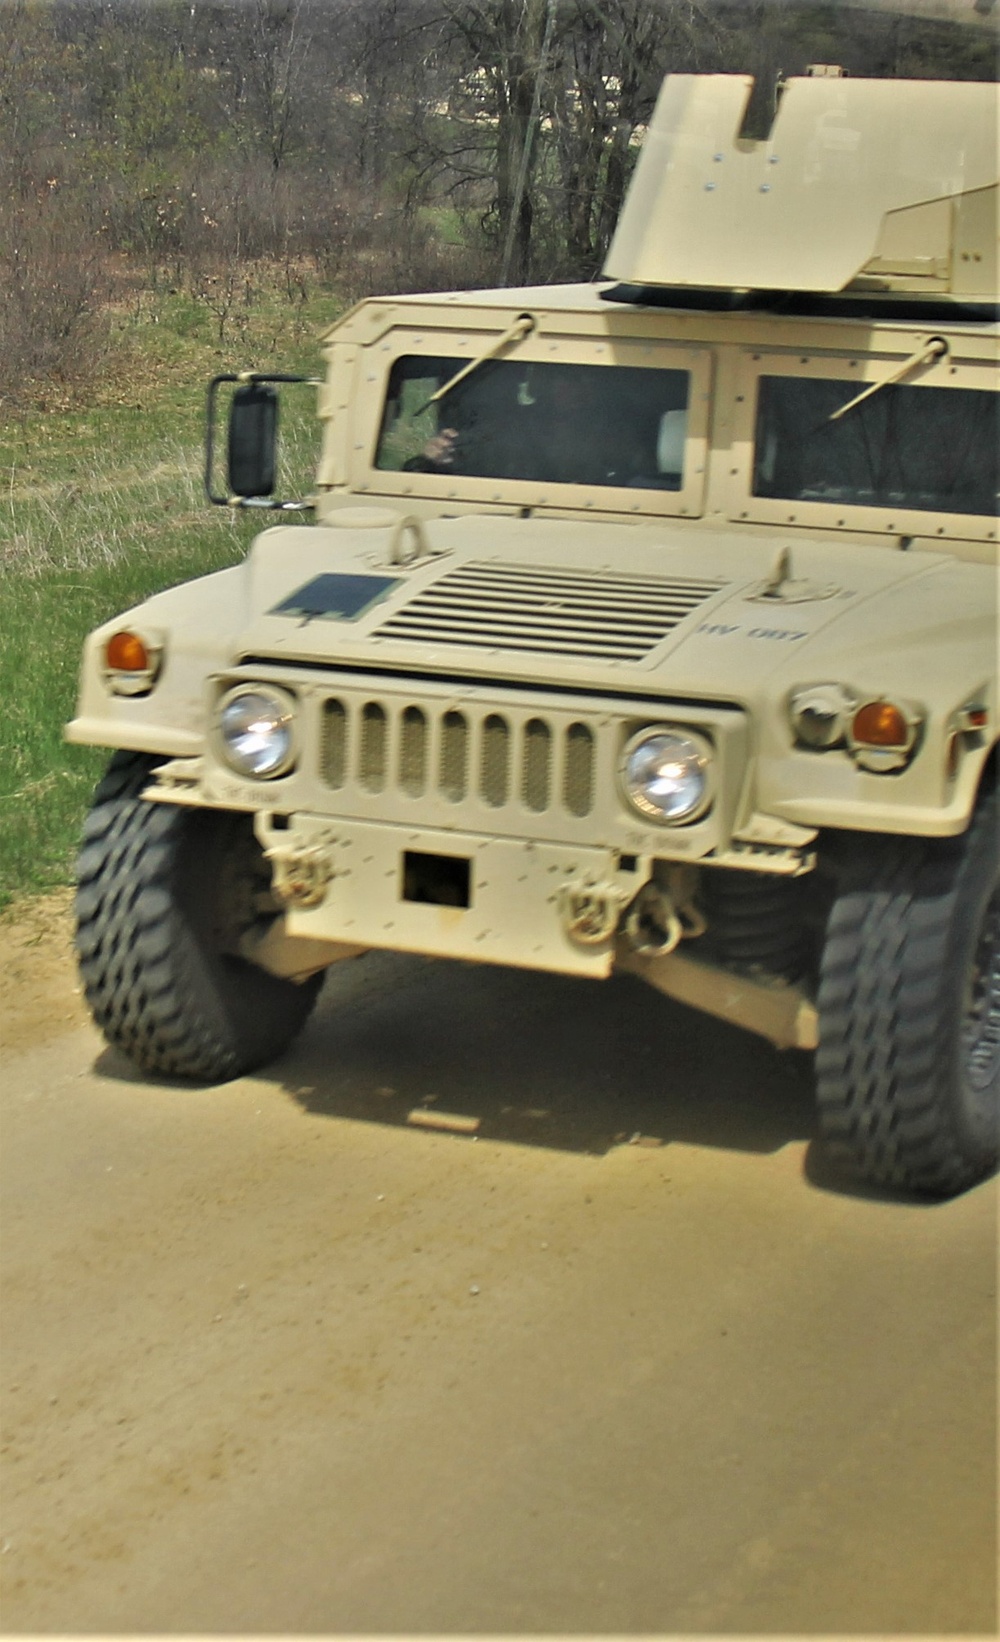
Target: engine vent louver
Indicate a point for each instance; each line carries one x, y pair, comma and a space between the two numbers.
551, 612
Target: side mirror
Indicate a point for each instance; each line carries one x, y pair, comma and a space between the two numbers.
252, 453
252, 442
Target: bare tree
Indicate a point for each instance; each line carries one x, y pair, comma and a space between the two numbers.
260, 50
548, 97
614, 55
509, 46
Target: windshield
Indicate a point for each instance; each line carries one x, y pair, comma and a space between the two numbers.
933, 449
553, 424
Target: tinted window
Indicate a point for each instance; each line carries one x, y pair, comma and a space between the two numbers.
903, 447
554, 424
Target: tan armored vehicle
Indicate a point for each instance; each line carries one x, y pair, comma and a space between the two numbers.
648, 625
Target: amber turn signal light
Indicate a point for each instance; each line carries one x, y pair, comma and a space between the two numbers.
126, 653
880, 724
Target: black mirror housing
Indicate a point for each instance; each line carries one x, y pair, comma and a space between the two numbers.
252, 445
253, 441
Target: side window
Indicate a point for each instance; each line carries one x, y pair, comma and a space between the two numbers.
410, 419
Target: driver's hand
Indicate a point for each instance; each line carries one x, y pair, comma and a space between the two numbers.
441, 449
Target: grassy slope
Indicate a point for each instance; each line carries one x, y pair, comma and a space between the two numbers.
99, 507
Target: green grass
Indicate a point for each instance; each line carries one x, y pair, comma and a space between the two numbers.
99, 508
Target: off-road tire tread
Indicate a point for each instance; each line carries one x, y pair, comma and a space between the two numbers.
889, 994
155, 988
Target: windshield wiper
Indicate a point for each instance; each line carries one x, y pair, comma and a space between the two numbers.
522, 327
934, 348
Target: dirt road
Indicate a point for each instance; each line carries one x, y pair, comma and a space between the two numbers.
275, 1358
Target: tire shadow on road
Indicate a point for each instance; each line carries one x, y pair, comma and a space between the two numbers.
544, 1060
540, 1059
826, 1174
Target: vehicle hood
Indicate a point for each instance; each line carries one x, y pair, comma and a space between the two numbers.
664, 611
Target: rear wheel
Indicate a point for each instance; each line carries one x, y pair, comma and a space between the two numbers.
164, 894
908, 1068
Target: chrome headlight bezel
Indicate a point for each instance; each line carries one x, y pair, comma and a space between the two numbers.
280, 710
702, 756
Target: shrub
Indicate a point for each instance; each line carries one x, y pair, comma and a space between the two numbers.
53, 290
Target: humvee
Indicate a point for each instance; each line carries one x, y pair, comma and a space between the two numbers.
647, 624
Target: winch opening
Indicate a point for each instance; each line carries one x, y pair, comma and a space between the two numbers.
440, 880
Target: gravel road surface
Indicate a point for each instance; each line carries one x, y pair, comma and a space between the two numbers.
620, 1357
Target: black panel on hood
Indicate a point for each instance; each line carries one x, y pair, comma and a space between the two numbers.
336, 597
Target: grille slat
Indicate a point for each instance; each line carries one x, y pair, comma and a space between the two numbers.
372, 747
578, 769
413, 751
453, 764
494, 769
536, 765
333, 754
549, 611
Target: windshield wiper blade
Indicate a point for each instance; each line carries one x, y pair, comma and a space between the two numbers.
523, 326
934, 348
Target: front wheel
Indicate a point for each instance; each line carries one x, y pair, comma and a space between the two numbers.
164, 894
908, 1068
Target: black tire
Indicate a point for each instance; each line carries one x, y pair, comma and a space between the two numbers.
164, 892
908, 1068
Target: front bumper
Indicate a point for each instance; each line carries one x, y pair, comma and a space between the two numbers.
528, 904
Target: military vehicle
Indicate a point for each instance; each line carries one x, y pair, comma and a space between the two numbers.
646, 625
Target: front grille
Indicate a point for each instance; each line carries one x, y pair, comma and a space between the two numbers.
551, 612
493, 757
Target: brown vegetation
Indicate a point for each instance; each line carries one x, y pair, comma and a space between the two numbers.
362, 144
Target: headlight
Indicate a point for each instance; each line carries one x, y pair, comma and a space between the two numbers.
665, 774
257, 731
